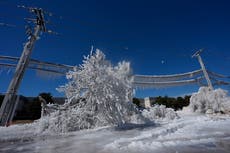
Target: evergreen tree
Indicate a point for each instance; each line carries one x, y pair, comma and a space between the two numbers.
136, 101
47, 96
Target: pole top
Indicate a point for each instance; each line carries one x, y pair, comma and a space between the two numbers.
39, 13
197, 53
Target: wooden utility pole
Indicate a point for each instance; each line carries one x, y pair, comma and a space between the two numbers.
197, 54
10, 100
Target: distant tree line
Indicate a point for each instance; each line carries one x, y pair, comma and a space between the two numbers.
175, 103
30, 109
170, 102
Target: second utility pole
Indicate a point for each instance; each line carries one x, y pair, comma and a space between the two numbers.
197, 54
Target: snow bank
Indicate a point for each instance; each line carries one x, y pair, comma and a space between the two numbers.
210, 101
159, 112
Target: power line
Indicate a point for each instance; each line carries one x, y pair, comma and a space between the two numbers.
7, 25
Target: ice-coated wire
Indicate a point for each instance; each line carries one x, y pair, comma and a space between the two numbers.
161, 78
217, 75
167, 83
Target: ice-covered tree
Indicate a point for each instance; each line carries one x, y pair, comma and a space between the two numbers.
98, 94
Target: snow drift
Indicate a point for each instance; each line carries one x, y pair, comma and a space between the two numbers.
210, 101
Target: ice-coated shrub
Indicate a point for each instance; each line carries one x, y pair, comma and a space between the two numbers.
210, 101
159, 112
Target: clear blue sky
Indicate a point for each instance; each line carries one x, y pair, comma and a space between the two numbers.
142, 32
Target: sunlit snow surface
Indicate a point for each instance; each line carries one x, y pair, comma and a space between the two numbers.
190, 133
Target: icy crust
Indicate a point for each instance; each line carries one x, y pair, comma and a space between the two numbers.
159, 112
17, 132
210, 101
98, 94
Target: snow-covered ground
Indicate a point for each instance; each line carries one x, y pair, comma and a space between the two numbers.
189, 133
